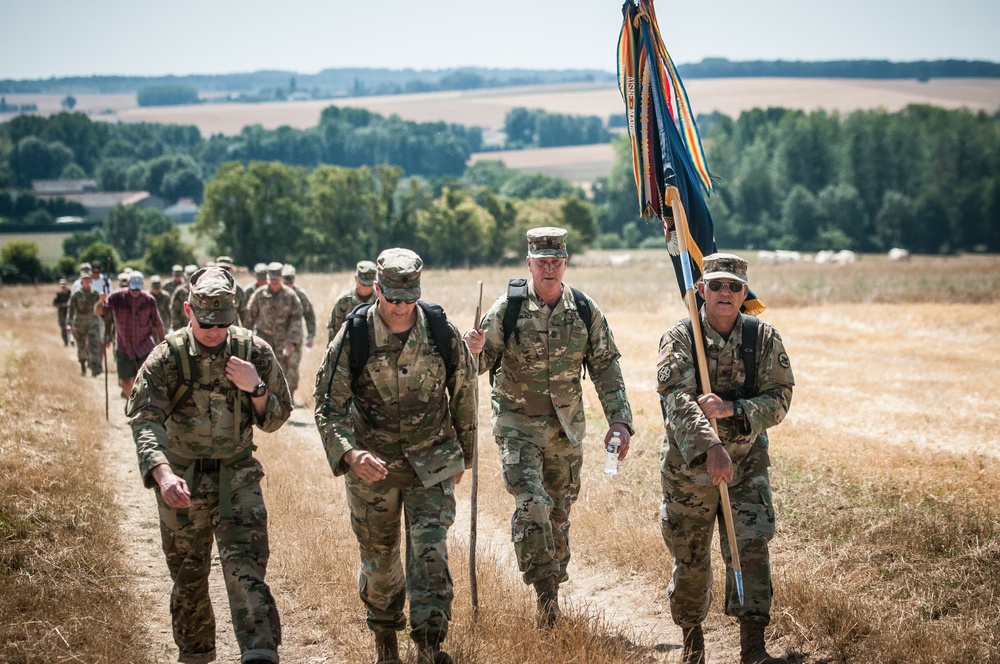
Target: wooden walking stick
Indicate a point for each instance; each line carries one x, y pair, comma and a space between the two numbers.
680, 228
104, 345
474, 501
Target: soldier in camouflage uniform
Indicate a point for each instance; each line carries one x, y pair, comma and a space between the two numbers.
275, 313
694, 459
198, 455
402, 448
363, 292
308, 318
241, 299
260, 274
85, 325
176, 279
162, 298
538, 416
61, 303
178, 298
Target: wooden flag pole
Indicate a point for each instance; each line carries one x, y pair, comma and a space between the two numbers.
474, 500
680, 228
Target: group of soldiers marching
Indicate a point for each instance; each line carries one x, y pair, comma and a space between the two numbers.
396, 409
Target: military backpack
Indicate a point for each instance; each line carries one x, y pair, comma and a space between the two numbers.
240, 345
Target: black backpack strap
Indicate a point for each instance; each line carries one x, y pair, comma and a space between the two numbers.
177, 342
441, 334
587, 316
748, 350
517, 293
357, 332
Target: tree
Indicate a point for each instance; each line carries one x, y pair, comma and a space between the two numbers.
127, 227
519, 126
165, 250
19, 262
454, 231
105, 254
800, 218
896, 214
841, 208
69, 102
77, 242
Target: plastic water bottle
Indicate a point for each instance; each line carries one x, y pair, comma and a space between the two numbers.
611, 458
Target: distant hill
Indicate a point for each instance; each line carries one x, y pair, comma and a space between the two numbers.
331, 83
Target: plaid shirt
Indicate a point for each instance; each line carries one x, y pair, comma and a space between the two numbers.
135, 320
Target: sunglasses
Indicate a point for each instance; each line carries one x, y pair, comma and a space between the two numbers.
394, 300
214, 326
734, 286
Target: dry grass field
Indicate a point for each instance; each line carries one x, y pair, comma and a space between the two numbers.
886, 482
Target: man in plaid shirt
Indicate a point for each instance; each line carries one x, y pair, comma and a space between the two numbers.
138, 327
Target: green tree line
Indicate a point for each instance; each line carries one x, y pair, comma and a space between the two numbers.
926, 179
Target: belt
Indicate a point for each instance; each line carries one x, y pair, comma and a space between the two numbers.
225, 469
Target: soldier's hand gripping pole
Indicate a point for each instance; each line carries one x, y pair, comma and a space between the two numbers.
474, 500
680, 227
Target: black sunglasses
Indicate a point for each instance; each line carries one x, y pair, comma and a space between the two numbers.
206, 326
715, 286
394, 300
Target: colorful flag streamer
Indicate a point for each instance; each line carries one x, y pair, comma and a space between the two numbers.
666, 148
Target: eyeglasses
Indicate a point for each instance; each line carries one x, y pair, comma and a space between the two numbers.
394, 300
715, 286
207, 326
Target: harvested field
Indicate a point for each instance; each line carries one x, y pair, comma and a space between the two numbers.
885, 475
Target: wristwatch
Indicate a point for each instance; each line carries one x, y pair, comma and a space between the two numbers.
260, 390
737, 410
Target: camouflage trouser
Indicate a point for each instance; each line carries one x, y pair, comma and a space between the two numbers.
376, 512
291, 368
692, 511
243, 552
61, 313
89, 346
544, 478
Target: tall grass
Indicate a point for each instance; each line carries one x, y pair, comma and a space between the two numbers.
64, 593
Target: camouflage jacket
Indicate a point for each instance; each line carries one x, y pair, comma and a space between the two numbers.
81, 307
169, 287
177, 300
201, 427
541, 367
163, 306
308, 313
276, 317
240, 301
688, 432
342, 307
399, 409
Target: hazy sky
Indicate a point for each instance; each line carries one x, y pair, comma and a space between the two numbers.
42, 38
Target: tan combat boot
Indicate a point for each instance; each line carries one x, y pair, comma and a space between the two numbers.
431, 654
386, 648
548, 601
694, 646
752, 643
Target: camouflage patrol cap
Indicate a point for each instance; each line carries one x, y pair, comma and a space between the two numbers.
365, 272
547, 241
211, 296
84, 266
399, 274
189, 270
260, 270
288, 272
63, 282
85, 273
177, 269
274, 270
225, 262
724, 266
123, 278
155, 280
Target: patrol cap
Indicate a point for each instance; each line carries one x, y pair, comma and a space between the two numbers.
154, 280
95, 266
288, 272
365, 272
85, 273
274, 270
225, 262
547, 241
724, 266
63, 282
189, 270
260, 270
84, 266
398, 273
177, 270
211, 296
135, 280
123, 278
